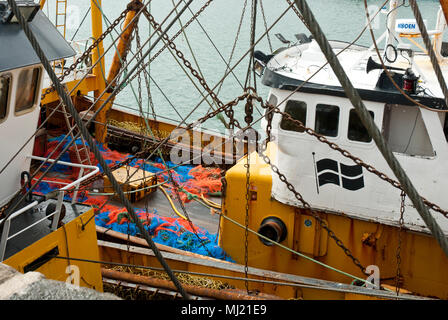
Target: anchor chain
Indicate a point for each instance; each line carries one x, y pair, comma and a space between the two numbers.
398, 254
246, 230
249, 108
297, 194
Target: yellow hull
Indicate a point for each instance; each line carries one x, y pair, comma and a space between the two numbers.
71, 240
423, 264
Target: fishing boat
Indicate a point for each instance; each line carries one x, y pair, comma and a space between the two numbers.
312, 212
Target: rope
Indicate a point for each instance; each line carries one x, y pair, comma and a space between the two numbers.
93, 146
171, 203
431, 53
293, 251
368, 122
292, 284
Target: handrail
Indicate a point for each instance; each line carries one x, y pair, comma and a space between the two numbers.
5, 233
4, 239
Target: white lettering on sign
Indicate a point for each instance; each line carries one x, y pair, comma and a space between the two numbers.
407, 26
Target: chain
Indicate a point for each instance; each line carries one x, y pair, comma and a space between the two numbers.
139, 81
299, 15
248, 118
183, 28
357, 160
189, 66
306, 205
246, 230
210, 115
86, 53
401, 222
252, 40
151, 18
291, 188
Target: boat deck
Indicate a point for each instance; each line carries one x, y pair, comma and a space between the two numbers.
199, 214
41, 229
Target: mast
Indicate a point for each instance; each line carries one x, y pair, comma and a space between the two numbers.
123, 46
392, 17
99, 69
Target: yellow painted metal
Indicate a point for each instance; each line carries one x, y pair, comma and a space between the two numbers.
72, 240
423, 264
61, 13
120, 55
42, 3
99, 69
88, 84
111, 254
122, 47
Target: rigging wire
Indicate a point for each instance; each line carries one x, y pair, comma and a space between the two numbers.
292, 284
370, 125
92, 145
60, 104
266, 26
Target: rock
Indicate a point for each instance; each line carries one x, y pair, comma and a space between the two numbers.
34, 286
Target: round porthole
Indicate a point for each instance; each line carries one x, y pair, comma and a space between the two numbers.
272, 228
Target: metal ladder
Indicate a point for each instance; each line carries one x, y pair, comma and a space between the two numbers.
61, 26
61, 13
83, 151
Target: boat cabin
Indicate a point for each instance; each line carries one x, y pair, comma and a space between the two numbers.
21, 77
29, 234
332, 182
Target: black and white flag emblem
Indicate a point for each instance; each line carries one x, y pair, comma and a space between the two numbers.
350, 176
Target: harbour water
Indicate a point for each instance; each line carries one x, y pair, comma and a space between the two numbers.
173, 94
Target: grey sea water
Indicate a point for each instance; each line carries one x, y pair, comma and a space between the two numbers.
174, 95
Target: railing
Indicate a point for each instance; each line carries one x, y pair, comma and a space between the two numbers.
5, 233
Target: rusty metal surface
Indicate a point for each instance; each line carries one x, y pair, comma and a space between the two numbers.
218, 267
228, 294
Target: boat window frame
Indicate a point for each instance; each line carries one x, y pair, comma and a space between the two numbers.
8, 98
269, 101
385, 131
36, 94
307, 114
339, 128
363, 143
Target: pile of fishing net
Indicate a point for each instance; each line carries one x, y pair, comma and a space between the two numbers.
192, 181
173, 232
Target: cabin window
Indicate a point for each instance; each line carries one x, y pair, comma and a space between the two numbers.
405, 131
356, 130
327, 120
297, 111
27, 86
273, 101
4, 93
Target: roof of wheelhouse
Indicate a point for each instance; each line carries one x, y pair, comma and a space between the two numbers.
291, 67
17, 52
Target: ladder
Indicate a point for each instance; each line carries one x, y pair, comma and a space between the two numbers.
82, 151
61, 14
61, 26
